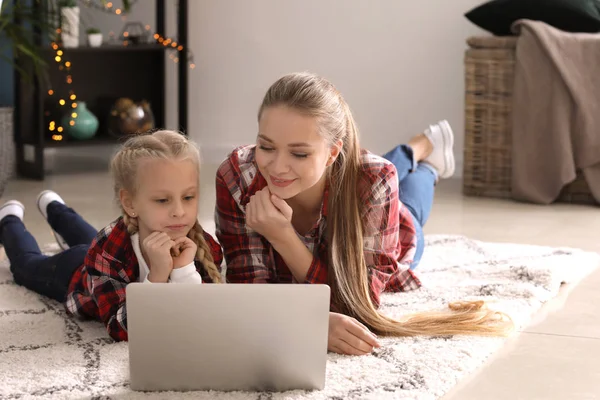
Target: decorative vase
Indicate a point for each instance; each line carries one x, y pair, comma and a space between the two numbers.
127, 117
86, 123
70, 26
95, 39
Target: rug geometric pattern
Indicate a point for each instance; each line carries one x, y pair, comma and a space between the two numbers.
45, 354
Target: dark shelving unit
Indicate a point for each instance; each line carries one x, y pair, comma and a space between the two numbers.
100, 76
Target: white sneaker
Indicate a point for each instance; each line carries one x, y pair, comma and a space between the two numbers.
12, 207
442, 156
44, 198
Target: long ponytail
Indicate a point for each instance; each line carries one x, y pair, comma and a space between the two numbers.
348, 270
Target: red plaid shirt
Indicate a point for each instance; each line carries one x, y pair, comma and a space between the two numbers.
97, 288
389, 237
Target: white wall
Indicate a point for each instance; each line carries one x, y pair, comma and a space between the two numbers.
398, 63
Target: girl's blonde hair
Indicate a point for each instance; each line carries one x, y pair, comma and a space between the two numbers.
348, 275
167, 145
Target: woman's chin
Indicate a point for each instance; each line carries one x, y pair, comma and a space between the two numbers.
283, 192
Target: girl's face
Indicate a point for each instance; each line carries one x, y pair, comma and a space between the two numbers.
166, 198
291, 154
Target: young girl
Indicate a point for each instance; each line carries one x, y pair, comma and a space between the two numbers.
157, 238
306, 204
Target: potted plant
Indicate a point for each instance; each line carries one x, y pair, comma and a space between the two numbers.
94, 37
69, 13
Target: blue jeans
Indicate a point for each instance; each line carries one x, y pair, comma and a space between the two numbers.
47, 275
417, 183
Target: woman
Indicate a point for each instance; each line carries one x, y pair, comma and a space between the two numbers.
306, 204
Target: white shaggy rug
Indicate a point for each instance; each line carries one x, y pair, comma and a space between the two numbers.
45, 354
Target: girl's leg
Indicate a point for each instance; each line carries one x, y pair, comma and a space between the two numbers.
65, 221
49, 276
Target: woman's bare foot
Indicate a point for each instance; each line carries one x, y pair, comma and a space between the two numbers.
421, 146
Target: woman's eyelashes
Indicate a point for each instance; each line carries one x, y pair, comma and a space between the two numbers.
271, 149
265, 148
300, 155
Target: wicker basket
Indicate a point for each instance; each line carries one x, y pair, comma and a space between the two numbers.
7, 147
489, 78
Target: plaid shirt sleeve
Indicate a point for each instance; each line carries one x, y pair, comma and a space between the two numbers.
245, 252
108, 292
317, 272
97, 289
389, 236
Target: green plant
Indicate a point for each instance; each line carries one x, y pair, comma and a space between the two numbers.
23, 24
91, 31
29, 26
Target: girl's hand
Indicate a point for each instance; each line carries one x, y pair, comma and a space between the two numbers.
350, 337
157, 247
183, 251
269, 215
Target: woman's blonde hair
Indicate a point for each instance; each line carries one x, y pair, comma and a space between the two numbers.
348, 275
167, 145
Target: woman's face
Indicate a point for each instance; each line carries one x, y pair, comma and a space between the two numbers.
291, 154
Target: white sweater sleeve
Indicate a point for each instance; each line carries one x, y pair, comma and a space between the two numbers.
187, 274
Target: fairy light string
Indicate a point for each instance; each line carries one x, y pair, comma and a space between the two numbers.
65, 65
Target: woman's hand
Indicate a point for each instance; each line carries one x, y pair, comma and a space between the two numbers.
183, 251
269, 215
348, 336
158, 249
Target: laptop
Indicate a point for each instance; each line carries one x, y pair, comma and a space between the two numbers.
254, 337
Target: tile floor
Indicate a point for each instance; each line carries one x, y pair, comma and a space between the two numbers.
555, 358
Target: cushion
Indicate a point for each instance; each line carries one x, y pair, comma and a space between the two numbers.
497, 16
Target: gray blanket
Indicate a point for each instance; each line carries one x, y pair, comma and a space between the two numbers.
556, 111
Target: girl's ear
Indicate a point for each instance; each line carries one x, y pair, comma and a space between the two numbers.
334, 151
127, 202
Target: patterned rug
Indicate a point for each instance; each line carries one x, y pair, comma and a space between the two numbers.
45, 354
